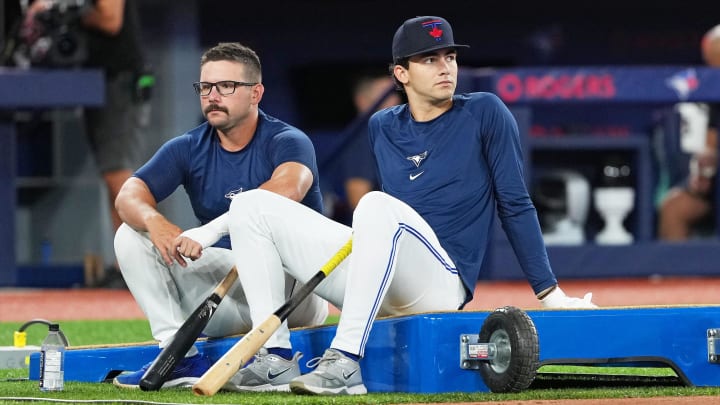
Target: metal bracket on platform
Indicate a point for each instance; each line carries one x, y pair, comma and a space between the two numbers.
713, 338
473, 353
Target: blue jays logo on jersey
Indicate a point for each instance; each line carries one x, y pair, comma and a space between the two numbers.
417, 159
232, 193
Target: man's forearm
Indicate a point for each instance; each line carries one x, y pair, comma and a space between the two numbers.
136, 205
139, 215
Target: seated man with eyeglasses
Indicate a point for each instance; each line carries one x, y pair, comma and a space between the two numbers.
170, 272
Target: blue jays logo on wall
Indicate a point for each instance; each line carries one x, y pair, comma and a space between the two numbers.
232, 193
684, 83
434, 26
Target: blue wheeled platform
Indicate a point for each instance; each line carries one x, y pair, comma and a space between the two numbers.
421, 353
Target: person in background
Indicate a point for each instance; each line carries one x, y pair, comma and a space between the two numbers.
239, 148
691, 205
354, 164
448, 165
114, 130
359, 173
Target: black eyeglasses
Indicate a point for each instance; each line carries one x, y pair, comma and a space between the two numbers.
225, 87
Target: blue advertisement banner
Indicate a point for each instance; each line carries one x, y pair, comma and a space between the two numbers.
664, 84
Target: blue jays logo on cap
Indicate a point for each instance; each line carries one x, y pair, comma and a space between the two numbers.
422, 34
434, 26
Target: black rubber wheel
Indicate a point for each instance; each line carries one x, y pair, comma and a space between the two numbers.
518, 352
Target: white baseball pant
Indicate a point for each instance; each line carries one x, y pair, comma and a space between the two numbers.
397, 265
168, 295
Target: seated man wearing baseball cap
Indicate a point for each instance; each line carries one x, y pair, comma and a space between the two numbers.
446, 163
468, 151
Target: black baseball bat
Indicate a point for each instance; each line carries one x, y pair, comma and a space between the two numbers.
185, 337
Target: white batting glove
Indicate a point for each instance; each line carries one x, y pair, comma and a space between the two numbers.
208, 234
557, 299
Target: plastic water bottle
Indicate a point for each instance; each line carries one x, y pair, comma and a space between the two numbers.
52, 361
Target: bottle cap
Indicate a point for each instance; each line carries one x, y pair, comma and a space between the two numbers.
54, 327
19, 339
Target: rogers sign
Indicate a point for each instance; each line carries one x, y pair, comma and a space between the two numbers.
512, 87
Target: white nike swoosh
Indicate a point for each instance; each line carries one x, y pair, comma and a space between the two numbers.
415, 176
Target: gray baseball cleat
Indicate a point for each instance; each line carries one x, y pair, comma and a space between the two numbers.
268, 372
335, 374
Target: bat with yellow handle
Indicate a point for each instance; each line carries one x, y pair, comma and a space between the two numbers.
240, 353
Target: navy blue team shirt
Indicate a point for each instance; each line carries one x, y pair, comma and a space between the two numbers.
456, 171
212, 175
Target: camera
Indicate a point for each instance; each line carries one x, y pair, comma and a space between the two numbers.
53, 37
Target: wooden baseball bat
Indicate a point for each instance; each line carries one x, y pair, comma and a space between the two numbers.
239, 354
185, 337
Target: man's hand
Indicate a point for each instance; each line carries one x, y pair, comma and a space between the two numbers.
557, 299
187, 246
163, 235
191, 242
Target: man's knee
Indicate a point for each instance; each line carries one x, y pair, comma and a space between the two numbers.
250, 201
130, 245
378, 208
372, 204
126, 239
373, 198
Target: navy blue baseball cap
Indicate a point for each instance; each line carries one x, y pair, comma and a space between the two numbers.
422, 34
